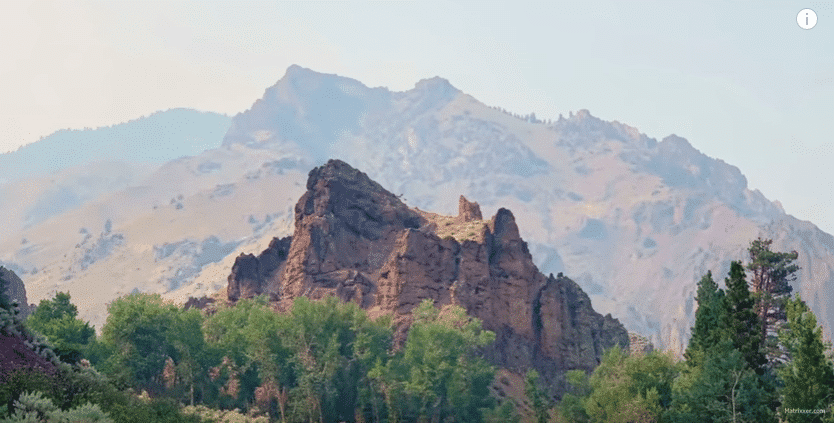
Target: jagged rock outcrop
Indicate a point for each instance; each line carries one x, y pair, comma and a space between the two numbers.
355, 240
15, 290
250, 274
19, 350
468, 211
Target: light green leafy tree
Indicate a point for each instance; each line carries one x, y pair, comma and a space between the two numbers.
142, 333
438, 374
537, 396
56, 319
631, 388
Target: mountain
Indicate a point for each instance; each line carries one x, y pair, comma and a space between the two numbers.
69, 168
359, 242
634, 221
158, 138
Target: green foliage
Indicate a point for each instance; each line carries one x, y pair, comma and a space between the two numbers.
142, 333
722, 389
222, 416
247, 336
334, 346
18, 382
572, 406
34, 407
710, 315
57, 320
809, 376
741, 321
505, 412
537, 397
772, 274
626, 388
438, 375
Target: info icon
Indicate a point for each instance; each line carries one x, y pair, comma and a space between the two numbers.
806, 18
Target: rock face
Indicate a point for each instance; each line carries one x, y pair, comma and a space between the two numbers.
15, 290
468, 211
250, 274
357, 241
18, 350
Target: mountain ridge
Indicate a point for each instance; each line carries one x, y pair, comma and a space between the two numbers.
626, 216
355, 240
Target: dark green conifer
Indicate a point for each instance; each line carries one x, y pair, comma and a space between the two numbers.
708, 319
741, 321
809, 375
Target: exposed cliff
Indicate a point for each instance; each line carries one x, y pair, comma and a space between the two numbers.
15, 290
359, 242
19, 349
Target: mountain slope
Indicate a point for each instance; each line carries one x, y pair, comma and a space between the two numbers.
359, 242
634, 221
157, 138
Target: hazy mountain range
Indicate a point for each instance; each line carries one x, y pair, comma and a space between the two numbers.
634, 221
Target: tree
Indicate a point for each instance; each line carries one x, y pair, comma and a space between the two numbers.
630, 388
572, 406
772, 274
741, 322
248, 340
708, 319
809, 375
438, 376
537, 397
722, 389
143, 332
34, 407
57, 320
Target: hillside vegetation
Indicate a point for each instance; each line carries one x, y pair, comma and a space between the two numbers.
327, 361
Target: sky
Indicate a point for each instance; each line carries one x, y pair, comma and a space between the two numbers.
739, 79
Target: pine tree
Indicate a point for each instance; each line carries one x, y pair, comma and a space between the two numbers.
741, 322
772, 274
809, 376
708, 318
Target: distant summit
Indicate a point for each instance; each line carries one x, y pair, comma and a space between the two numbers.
634, 220
157, 138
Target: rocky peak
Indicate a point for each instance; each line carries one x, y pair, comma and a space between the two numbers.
250, 274
468, 211
357, 241
14, 290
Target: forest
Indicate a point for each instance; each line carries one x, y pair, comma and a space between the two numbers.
756, 354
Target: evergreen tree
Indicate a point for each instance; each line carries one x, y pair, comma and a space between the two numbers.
741, 322
708, 319
722, 389
809, 375
772, 274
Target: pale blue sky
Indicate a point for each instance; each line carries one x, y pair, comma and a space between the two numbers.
739, 79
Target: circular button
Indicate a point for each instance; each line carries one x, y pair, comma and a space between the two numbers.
806, 18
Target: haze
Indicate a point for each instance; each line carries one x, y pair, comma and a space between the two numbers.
740, 80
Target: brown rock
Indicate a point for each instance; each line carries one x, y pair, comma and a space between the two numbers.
15, 290
199, 303
468, 211
251, 275
355, 240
